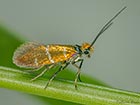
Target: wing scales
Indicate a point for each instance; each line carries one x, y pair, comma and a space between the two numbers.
34, 55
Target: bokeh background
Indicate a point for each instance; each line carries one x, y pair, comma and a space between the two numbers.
116, 59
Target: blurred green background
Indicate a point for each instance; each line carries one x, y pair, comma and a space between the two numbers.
116, 58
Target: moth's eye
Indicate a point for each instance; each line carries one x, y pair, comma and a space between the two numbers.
86, 52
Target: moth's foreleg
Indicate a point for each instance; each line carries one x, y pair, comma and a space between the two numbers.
78, 72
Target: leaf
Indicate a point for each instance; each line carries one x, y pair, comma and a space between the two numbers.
64, 89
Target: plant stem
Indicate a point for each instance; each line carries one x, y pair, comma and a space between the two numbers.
64, 89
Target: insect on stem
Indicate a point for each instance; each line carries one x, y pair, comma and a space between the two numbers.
35, 55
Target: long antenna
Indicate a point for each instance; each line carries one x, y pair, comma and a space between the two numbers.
106, 26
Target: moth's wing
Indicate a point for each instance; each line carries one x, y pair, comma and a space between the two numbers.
34, 55
60, 53
30, 55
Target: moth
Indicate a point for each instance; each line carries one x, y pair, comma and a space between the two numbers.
34, 55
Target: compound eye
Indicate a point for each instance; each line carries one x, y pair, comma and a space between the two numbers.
86, 52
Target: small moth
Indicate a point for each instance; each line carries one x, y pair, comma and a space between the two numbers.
34, 55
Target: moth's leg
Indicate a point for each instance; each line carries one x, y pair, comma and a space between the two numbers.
46, 69
79, 76
78, 72
79, 67
62, 67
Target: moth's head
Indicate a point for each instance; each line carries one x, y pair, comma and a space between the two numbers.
87, 49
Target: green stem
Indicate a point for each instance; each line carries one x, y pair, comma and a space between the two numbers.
64, 90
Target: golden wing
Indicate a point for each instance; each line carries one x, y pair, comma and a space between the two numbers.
34, 55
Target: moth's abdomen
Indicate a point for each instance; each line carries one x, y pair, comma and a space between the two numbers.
33, 55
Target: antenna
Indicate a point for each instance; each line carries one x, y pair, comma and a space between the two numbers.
106, 26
